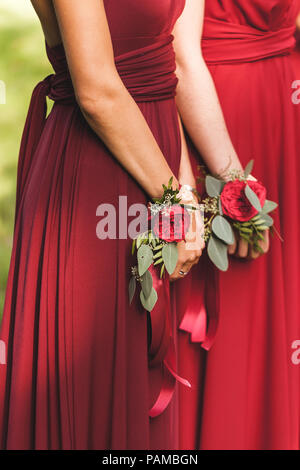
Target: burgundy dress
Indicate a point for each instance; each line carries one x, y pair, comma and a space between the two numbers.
76, 373
247, 387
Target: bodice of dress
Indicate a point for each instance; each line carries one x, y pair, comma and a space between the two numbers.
237, 31
137, 23
264, 15
141, 32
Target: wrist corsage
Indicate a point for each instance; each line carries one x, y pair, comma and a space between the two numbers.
238, 205
169, 220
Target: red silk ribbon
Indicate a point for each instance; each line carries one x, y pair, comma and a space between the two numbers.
198, 299
162, 349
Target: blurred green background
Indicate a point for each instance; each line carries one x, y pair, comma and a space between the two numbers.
23, 63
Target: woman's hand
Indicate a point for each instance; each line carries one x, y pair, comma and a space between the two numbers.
242, 249
189, 251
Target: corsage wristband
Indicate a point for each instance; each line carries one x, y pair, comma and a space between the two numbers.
169, 221
239, 204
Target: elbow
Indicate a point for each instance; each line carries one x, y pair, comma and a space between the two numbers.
96, 98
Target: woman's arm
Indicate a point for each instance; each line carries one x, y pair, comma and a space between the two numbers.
186, 175
298, 22
200, 109
107, 105
102, 96
197, 99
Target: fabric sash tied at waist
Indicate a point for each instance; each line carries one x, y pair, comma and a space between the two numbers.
148, 73
230, 43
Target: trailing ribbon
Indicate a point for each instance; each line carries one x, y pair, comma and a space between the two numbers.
57, 87
33, 129
200, 303
162, 350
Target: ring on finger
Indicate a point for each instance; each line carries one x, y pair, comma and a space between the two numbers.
182, 273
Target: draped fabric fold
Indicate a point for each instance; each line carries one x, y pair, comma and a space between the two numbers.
149, 75
162, 350
198, 300
33, 129
58, 87
229, 43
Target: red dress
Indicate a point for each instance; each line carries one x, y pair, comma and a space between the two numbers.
76, 373
296, 55
247, 387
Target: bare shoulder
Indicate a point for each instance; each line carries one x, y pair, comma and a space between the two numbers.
46, 13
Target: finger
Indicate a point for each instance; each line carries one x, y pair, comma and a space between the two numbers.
254, 254
175, 275
180, 269
186, 267
243, 248
265, 244
232, 248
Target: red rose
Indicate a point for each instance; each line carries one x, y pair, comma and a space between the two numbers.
235, 203
171, 224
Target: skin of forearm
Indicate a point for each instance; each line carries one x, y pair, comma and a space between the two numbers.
201, 113
186, 175
298, 22
119, 123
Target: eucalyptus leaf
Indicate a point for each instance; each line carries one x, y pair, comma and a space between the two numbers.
157, 255
132, 288
138, 241
260, 236
259, 249
220, 207
267, 220
159, 247
258, 221
217, 252
150, 302
170, 257
147, 284
252, 198
269, 206
133, 246
222, 229
213, 186
245, 237
245, 229
152, 239
248, 169
145, 258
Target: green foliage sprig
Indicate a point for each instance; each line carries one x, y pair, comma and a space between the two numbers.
151, 250
219, 230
